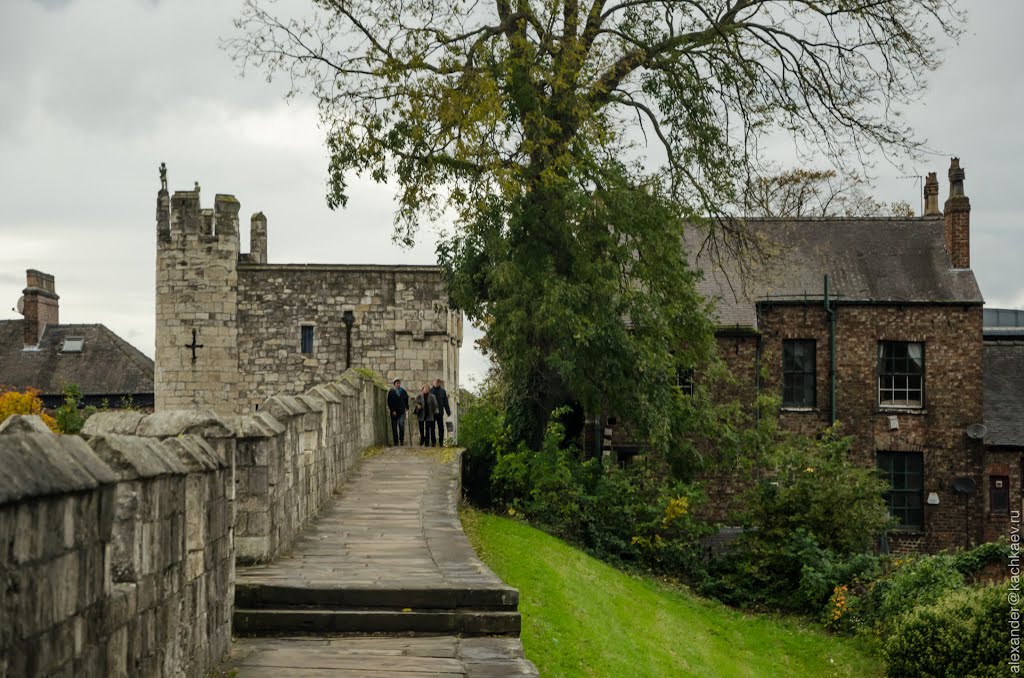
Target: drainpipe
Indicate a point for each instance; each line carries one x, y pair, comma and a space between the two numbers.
830, 312
349, 318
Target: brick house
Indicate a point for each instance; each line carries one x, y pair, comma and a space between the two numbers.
39, 352
875, 323
1001, 485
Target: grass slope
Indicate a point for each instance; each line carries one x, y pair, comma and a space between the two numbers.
582, 617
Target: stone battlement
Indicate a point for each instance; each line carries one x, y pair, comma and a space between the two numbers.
119, 545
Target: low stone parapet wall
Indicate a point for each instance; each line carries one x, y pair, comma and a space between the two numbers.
294, 453
117, 547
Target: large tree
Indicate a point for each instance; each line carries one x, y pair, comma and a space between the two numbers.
572, 142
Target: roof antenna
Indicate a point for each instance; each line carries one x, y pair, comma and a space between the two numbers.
918, 179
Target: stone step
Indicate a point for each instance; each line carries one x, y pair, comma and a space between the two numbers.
302, 621
262, 596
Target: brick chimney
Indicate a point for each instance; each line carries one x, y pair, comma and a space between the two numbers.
958, 219
41, 305
931, 196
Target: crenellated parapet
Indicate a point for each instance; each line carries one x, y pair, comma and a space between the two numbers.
196, 292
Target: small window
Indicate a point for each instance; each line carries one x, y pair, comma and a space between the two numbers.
900, 374
73, 345
905, 473
999, 494
798, 373
684, 380
307, 338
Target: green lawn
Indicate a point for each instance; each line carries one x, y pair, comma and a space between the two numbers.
582, 617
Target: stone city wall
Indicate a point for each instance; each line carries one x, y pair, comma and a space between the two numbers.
117, 548
294, 453
116, 553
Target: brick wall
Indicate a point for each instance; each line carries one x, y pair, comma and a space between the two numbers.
952, 401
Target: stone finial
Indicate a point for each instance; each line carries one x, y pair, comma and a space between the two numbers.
931, 195
258, 238
956, 178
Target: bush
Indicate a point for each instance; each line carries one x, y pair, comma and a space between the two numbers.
71, 415
24, 402
481, 433
964, 634
918, 581
809, 524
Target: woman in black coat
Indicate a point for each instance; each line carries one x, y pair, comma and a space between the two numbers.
426, 412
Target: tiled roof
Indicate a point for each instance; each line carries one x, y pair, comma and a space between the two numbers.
1004, 393
868, 260
106, 365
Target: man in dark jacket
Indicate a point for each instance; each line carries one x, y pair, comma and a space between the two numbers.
442, 409
398, 404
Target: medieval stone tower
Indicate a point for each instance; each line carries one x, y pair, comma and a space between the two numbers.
196, 296
263, 329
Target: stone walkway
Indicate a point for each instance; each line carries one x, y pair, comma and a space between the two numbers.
388, 556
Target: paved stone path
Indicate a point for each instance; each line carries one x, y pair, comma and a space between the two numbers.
387, 556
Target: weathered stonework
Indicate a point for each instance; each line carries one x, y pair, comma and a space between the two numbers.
117, 548
248, 316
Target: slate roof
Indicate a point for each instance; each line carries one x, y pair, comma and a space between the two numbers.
107, 364
1004, 393
894, 260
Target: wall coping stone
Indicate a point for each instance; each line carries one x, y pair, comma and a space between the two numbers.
282, 406
195, 453
134, 457
37, 464
24, 423
259, 425
322, 392
124, 421
313, 403
346, 389
205, 423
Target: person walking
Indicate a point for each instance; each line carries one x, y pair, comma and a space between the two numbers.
443, 408
426, 412
398, 404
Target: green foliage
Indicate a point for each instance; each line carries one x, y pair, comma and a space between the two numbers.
963, 634
637, 515
970, 563
809, 521
71, 415
522, 123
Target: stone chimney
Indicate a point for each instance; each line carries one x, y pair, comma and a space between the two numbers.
41, 305
258, 239
931, 195
958, 219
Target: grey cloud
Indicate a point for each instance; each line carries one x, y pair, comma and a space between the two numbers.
94, 96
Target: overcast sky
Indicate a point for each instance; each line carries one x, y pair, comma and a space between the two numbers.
94, 94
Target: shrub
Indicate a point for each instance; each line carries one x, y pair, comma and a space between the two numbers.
24, 402
71, 415
481, 433
809, 524
964, 634
912, 582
